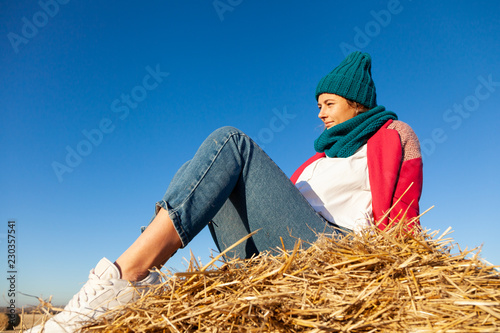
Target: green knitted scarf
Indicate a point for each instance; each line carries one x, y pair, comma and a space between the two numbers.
344, 139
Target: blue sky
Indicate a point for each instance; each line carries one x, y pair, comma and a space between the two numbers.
100, 104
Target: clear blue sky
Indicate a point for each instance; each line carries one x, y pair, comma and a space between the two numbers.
83, 69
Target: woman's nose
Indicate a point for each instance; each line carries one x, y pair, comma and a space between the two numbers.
321, 114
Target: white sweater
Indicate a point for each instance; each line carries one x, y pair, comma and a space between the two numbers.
348, 200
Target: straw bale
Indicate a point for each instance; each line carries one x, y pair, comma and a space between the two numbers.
373, 281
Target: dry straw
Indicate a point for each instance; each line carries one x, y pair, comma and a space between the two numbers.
368, 282
373, 281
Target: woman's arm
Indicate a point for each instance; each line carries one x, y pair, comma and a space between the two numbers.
395, 166
410, 176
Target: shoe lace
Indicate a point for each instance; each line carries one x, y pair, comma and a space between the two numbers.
89, 289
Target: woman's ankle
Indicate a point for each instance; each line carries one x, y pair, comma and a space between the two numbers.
130, 274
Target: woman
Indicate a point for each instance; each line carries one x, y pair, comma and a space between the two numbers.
366, 160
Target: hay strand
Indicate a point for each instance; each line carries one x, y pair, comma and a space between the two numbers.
368, 282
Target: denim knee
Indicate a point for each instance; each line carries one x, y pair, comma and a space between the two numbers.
225, 131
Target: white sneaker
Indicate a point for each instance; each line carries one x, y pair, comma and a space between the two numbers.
104, 290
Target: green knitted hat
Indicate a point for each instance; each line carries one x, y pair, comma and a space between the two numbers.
352, 79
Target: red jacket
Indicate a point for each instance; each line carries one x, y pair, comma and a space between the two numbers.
394, 163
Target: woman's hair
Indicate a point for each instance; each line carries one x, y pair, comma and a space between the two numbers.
360, 108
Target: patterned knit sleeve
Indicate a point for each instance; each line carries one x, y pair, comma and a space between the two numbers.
411, 174
409, 140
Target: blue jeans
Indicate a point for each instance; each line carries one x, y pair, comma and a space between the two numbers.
235, 188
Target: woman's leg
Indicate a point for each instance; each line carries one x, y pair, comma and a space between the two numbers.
231, 181
152, 249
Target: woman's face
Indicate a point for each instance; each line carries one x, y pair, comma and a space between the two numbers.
334, 109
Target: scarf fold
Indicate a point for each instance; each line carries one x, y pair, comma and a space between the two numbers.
344, 139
